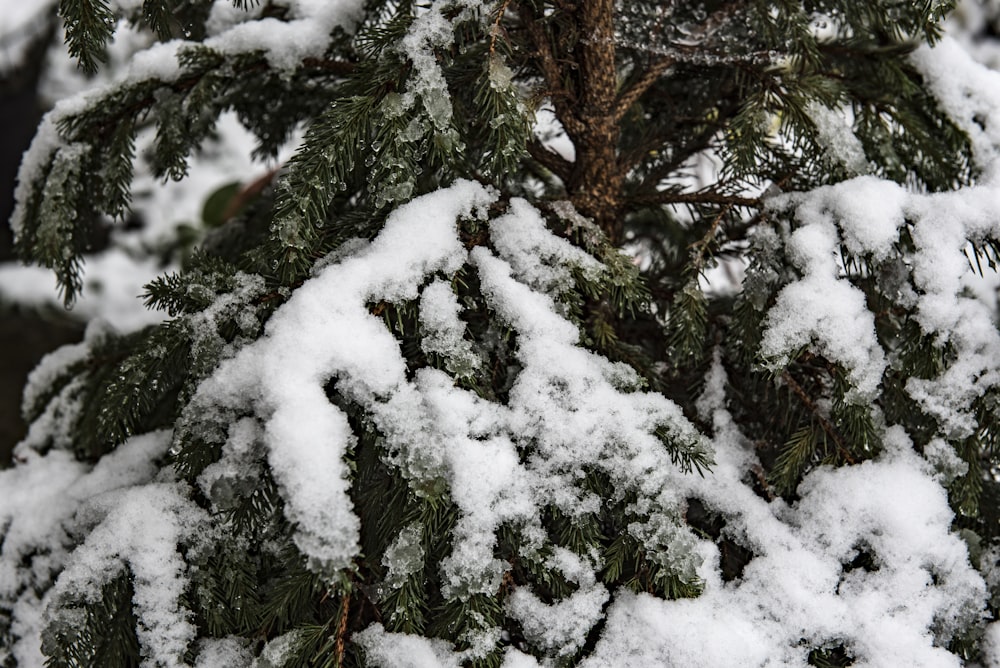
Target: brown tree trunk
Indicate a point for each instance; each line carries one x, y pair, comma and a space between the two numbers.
583, 87
596, 181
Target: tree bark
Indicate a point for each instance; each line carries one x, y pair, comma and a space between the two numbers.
596, 182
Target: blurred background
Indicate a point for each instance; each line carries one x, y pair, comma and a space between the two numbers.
26, 332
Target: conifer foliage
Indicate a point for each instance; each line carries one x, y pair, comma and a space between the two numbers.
467, 382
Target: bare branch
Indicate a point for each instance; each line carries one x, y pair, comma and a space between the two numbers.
632, 94
826, 425
701, 197
562, 99
551, 160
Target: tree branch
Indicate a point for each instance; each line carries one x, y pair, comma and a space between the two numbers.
827, 426
563, 99
630, 96
701, 197
551, 160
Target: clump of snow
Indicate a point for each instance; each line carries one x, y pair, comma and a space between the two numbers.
224, 653
834, 134
57, 363
404, 556
278, 651
968, 92
822, 308
538, 258
444, 332
236, 470
561, 627
400, 650
138, 528
946, 462
48, 499
430, 31
799, 590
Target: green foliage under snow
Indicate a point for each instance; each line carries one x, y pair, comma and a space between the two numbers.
641, 333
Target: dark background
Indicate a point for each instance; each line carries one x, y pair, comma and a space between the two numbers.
25, 334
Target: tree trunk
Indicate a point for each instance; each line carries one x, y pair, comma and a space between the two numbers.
596, 182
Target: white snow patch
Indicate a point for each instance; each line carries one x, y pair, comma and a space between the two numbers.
45, 501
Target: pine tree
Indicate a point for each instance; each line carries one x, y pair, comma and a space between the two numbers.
461, 387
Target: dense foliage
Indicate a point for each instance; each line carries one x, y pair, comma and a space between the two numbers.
597, 333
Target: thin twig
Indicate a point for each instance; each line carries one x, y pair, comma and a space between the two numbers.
345, 604
700, 197
700, 248
629, 96
827, 426
562, 98
496, 26
549, 159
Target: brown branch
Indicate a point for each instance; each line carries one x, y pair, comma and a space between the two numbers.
701, 197
549, 159
248, 193
629, 96
596, 185
562, 99
827, 426
345, 604
496, 26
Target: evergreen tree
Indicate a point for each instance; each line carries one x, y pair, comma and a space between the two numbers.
466, 383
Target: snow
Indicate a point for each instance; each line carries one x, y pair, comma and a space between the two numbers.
224, 653
404, 557
834, 134
113, 283
444, 331
139, 529
47, 500
571, 406
23, 22
400, 650
538, 258
306, 436
572, 410
561, 627
864, 216
968, 92
797, 590
821, 308
432, 30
